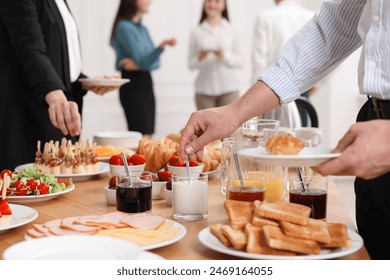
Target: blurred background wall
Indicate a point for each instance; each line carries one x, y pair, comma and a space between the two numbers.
337, 100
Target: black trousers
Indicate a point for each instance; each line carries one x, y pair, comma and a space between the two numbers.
137, 100
373, 205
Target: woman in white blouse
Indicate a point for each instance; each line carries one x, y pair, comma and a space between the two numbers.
215, 53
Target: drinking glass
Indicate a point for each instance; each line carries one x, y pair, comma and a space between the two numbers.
312, 192
134, 192
189, 197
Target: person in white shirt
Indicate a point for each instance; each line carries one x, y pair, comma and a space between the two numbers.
215, 53
273, 28
336, 31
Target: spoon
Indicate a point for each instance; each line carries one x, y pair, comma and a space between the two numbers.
238, 168
125, 163
301, 179
187, 167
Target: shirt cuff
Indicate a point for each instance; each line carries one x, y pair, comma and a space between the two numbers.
280, 83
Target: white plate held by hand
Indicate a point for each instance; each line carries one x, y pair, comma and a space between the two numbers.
98, 82
309, 156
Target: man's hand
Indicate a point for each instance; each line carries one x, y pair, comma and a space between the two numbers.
365, 151
63, 114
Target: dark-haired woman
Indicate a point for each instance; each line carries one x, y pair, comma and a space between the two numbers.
136, 56
215, 52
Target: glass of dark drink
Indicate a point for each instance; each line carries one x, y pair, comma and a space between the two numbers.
134, 192
312, 192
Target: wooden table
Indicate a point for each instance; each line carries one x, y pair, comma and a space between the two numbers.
89, 198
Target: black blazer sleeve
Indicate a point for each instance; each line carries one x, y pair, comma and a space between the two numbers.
21, 21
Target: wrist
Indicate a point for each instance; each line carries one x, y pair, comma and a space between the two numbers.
54, 97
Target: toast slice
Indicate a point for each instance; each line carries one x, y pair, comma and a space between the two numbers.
339, 236
236, 236
276, 239
260, 222
316, 230
216, 229
256, 243
239, 212
284, 211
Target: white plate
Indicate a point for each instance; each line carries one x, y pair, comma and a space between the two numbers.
104, 82
212, 242
103, 168
73, 247
21, 215
26, 199
213, 174
311, 156
149, 256
182, 232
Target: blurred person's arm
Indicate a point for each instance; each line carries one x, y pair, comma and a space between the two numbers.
21, 21
234, 58
125, 37
260, 49
195, 56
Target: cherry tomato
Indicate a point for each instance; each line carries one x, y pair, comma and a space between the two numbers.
173, 160
20, 188
6, 171
32, 184
43, 188
137, 159
164, 175
116, 160
180, 163
193, 163
67, 182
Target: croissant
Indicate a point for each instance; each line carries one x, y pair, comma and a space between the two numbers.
171, 143
156, 153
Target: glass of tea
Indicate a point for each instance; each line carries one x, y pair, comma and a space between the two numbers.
254, 187
310, 191
134, 192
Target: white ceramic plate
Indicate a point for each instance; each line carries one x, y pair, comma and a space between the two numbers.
21, 215
111, 82
26, 199
311, 156
103, 168
214, 174
182, 232
73, 247
212, 242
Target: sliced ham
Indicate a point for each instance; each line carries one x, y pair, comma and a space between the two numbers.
61, 231
53, 224
149, 221
110, 220
69, 223
36, 234
40, 228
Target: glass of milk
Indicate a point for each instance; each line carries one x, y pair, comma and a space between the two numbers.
189, 197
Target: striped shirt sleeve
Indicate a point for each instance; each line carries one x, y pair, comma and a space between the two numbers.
316, 49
